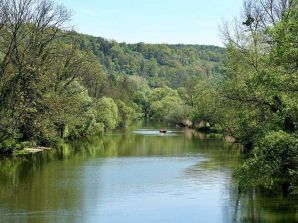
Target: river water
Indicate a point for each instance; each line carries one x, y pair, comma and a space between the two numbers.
136, 176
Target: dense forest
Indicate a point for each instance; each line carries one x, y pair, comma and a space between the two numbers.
160, 64
58, 84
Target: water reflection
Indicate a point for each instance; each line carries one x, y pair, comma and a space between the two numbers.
135, 177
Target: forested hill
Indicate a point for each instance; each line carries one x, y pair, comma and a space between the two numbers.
160, 64
57, 84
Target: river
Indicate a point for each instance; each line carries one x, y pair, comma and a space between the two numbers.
136, 175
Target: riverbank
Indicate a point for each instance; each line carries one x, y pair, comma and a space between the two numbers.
36, 149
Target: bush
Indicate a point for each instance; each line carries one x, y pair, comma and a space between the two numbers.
274, 161
10, 145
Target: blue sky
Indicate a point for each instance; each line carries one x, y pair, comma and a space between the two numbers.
153, 21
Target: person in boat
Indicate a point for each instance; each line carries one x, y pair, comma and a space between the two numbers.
163, 131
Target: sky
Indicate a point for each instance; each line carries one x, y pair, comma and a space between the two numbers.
153, 21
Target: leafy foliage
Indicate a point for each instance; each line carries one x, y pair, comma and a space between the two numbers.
274, 161
160, 64
260, 87
106, 112
164, 104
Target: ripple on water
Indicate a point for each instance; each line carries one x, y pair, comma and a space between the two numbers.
155, 132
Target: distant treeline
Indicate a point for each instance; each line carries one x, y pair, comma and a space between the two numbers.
160, 64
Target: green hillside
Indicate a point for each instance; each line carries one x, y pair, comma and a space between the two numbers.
160, 64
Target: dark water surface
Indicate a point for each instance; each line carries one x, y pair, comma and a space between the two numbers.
136, 176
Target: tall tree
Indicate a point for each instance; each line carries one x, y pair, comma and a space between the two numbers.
261, 86
28, 29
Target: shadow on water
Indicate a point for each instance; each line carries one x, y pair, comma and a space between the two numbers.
136, 175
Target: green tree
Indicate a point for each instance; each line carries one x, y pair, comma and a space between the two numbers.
260, 86
106, 112
29, 32
206, 102
166, 105
126, 113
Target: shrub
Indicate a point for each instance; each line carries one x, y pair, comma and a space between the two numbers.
274, 161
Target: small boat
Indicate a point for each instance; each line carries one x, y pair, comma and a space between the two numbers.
163, 131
